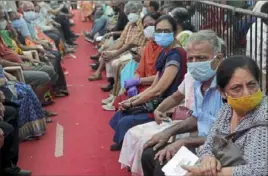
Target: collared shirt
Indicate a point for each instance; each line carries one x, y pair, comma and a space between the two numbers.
206, 106
133, 34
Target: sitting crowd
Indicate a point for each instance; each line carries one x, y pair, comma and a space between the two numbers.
34, 38
172, 86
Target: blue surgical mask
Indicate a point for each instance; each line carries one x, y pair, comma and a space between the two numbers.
164, 39
201, 71
29, 16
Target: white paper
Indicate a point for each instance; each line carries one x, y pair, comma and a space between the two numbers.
182, 157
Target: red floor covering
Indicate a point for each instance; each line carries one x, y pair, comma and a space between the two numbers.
87, 135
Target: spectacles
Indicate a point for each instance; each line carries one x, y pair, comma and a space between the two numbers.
163, 31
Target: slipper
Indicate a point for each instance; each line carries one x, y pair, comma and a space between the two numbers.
95, 77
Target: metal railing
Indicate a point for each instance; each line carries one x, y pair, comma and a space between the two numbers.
244, 31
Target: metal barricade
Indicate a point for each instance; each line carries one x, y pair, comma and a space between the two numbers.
244, 31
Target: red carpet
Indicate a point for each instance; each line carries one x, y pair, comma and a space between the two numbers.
87, 135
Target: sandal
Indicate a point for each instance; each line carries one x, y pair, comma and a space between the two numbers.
49, 120
95, 77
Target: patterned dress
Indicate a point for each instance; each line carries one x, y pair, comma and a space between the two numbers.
254, 143
32, 121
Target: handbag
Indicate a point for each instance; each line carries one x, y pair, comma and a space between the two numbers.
181, 113
226, 151
148, 107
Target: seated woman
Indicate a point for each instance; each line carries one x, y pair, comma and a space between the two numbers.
136, 137
185, 28
238, 80
145, 72
171, 68
32, 120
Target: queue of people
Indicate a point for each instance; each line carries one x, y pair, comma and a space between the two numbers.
44, 29
159, 61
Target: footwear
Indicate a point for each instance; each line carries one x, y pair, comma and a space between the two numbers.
115, 147
49, 120
16, 171
109, 107
95, 77
50, 114
89, 39
95, 66
95, 57
108, 100
69, 42
107, 88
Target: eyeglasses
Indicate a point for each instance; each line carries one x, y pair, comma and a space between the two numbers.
163, 31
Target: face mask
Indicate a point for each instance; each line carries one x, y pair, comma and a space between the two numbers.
201, 71
149, 31
144, 11
245, 104
133, 17
29, 16
3, 25
164, 39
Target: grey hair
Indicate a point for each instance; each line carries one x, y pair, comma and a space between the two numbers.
25, 4
132, 5
207, 35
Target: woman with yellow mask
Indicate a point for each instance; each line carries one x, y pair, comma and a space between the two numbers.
243, 121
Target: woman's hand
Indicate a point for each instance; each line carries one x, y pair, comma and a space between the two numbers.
158, 116
124, 105
193, 170
169, 151
209, 166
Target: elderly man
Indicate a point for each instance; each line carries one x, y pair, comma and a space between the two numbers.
10, 151
202, 47
131, 37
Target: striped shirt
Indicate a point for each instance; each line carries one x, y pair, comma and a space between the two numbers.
133, 34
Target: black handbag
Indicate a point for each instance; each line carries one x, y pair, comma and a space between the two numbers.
148, 107
226, 151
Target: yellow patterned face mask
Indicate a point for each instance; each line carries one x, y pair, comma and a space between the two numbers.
247, 103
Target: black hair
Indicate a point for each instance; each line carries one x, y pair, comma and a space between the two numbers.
171, 21
228, 66
264, 9
154, 4
183, 18
153, 15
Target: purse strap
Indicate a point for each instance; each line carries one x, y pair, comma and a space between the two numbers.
237, 134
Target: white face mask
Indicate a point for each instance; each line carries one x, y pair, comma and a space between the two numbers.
144, 11
133, 17
3, 24
29, 16
149, 31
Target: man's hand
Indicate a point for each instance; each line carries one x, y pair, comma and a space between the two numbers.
192, 170
159, 116
109, 55
169, 151
2, 97
2, 138
158, 140
124, 106
2, 110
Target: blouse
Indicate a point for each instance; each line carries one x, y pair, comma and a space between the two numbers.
254, 143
